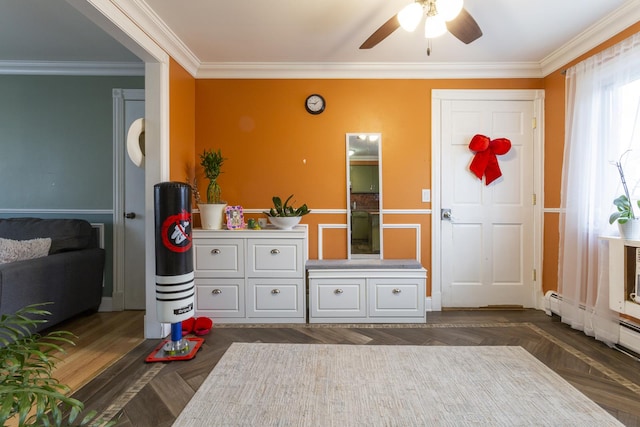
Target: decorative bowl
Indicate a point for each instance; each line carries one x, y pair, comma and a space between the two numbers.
285, 222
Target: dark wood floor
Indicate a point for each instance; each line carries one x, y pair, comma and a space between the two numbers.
153, 394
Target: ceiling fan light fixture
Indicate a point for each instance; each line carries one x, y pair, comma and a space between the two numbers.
410, 16
434, 26
449, 9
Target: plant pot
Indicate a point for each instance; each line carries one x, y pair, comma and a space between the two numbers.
212, 215
285, 222
630, 230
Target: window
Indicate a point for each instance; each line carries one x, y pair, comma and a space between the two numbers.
628, 97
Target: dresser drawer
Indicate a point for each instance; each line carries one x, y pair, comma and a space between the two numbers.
220, 297
396, 297
275, 298
275, 258
337, 298
219, 257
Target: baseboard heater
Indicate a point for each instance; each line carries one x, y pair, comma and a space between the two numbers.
629, 331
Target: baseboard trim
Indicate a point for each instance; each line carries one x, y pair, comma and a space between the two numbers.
629, 331
629, 336
106, 305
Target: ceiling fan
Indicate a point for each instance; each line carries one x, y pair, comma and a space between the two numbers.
449, 15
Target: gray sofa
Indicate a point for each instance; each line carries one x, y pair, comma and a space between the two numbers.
70, 276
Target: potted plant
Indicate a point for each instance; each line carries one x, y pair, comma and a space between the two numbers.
284, 215
628, 223
212, 212
29, 394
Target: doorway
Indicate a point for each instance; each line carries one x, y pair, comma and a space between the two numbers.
487, 238
129, 211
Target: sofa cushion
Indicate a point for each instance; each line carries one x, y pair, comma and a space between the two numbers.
19, 250
65, 234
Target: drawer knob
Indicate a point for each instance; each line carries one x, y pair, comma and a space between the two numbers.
216, 291
275, 291
275, 251
396, 290
215, 251
338, 291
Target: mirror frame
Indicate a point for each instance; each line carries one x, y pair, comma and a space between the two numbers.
348, 164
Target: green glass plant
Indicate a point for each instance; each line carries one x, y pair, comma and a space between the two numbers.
212, 161
28, 392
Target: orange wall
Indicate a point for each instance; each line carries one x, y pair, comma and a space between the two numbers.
182, 122
274, 147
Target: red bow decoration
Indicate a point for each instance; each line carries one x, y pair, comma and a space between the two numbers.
485, 161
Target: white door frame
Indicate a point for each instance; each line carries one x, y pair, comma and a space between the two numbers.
116, 21
437, 96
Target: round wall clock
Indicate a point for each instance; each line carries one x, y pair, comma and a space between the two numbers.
315, 104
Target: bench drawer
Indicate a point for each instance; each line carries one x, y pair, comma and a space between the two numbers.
337, 298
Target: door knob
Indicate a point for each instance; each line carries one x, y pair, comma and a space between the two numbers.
445, 214
130, 215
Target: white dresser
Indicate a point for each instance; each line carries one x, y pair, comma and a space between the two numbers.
366, 291
251, 276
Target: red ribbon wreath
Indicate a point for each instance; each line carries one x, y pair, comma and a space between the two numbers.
485, 161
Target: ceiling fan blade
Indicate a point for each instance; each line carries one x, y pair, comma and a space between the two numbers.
382, 33
464, 27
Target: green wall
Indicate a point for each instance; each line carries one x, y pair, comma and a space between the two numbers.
56, 149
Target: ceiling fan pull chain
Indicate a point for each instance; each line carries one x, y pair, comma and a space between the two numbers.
428, 47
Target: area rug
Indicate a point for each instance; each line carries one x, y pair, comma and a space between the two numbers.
351, 385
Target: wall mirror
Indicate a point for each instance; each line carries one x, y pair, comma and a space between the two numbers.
364, 195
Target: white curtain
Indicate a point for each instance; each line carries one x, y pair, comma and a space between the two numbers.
590, 182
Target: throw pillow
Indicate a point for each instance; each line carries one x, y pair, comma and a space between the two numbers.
19, 250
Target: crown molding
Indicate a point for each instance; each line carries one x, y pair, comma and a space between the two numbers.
612, 24
144, 16
368, 70
140, 13
70, 68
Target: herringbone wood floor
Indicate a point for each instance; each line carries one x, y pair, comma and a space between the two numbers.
153, 394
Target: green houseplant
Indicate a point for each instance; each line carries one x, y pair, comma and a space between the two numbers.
212, 161
29, 395
212, 212
625, 210
284, 215
628, 223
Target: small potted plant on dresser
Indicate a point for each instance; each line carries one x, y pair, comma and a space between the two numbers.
212, 212
285, 216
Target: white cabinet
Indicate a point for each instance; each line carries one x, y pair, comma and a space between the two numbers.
366, 291
251, 276
624, 275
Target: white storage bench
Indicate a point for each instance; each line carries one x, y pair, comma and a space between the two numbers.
366, 291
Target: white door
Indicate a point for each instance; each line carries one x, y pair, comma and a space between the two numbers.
487, 234
134, 246
129, 209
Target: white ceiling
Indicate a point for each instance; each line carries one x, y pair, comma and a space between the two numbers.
303, 37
